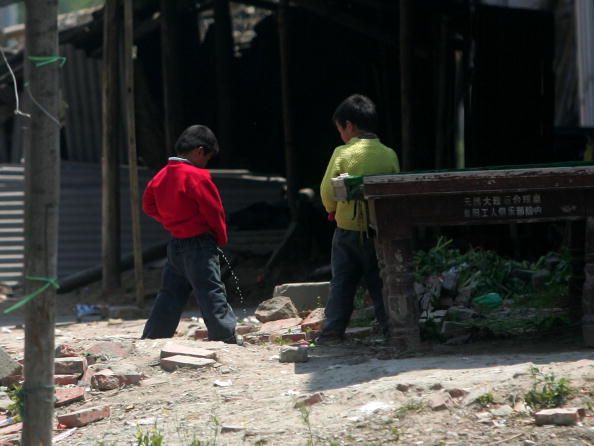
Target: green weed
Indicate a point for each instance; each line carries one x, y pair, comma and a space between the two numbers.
547, 391
152, 437
485, 399
305, 412
409, 407
17, 407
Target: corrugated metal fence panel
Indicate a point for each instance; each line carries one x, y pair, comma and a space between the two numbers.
12, 209
80, 217
79, 245
81, 86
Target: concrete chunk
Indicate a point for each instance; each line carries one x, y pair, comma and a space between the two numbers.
305, 296
172, 363
559, 417
178, 349
293, 354
277, 308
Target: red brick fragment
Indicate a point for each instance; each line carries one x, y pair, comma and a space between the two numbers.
280, 325
65, 380
68, 395
70, 366
84, 416
314, 320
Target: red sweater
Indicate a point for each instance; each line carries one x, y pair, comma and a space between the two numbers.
183, 198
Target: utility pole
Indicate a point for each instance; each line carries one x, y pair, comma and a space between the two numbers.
170, 72
110, 178
42, 195
132, 161
290, 161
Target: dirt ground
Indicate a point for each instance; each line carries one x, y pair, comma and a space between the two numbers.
370, 395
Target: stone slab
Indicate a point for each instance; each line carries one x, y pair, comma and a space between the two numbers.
305, 296
172, 363
173, 349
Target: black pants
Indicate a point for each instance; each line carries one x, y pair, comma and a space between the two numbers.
353, 258
192, 264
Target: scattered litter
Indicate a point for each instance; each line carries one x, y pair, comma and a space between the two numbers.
64, 435
219, 383
375, 406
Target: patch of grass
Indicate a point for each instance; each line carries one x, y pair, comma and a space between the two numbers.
395, 433
410, 406
16, 408
547, 391
485, 399
152, 437
305, 412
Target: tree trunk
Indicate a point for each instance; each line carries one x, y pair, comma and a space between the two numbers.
42, 194
132, 158
110, 226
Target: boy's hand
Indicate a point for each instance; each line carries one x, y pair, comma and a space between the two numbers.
331, 216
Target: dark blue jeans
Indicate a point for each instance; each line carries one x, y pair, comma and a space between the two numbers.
192, 265
353, 259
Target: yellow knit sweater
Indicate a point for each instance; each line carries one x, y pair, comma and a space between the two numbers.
357, 157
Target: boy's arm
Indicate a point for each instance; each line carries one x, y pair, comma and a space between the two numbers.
326, 190
149, 204
211, 208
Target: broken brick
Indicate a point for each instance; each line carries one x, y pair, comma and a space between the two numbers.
172, 363
309, 400
12, 429
84, 416
109, 350
280, 325
177, 349
105, 380
65, 380
70, 366
287, 337
314, 320
66, 351
68, 395
561, 417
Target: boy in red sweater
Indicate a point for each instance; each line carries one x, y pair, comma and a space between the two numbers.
183, 198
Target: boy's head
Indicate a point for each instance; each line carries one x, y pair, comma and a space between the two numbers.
197, 144
354, 116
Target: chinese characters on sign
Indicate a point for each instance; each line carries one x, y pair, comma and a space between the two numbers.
490, 206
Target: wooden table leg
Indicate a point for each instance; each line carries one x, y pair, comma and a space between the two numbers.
395, 258
588, 292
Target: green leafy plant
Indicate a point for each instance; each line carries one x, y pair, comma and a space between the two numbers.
152, 437
410, 406
305, 412
17, 407
547, 391
485, 399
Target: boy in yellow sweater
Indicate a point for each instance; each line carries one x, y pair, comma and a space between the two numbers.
353, 252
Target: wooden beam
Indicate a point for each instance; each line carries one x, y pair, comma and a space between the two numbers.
406, 82
170, 72
42, 196
132, 157
224, 84
110, 178
290, 158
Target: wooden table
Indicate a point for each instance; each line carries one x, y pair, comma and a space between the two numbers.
398, 203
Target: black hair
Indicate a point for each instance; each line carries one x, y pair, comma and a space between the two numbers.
197, 136
358, 109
